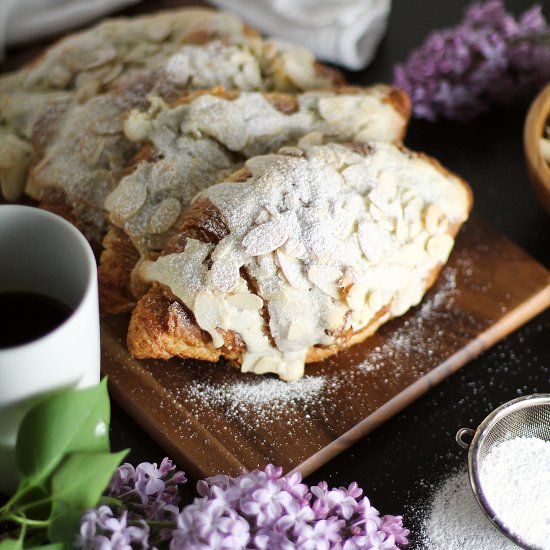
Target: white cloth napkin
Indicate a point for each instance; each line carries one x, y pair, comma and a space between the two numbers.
344, 32
27, 20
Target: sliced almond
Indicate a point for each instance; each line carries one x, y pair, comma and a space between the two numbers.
93, 159
292, 270
246, 301
126, 200
432, 214
415, 228
223, 248
421, 238
265, 238
217, 338
373, 240
401, 230
387, 188
376, 213
267, 265
325, 277
225, 275
335, 318
207, 310
137, 126
439, 247
443, 226
164, 216
295, 247
411, 211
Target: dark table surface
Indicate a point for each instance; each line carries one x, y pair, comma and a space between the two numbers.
402, 460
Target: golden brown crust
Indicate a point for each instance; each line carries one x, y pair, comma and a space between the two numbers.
118, 259
162, 327
401, 102
202, 221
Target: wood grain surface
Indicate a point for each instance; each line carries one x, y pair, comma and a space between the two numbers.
213, 419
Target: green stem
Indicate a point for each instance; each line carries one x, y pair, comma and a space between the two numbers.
27, 522
22, 534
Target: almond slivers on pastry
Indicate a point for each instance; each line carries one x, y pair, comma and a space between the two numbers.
82, 65
71, 103
299, 255
205, 135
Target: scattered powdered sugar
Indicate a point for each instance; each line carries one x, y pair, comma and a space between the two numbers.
515, 477
456, 522
257, 393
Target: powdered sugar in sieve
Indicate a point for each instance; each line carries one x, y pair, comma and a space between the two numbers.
509, 469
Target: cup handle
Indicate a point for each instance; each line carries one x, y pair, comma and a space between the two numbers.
460, 437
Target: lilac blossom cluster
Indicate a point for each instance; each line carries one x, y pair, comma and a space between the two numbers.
259, 510
488, 59
142, 501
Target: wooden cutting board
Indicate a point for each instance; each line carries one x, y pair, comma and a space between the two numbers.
213, 419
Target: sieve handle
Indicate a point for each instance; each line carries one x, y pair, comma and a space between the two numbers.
460, 437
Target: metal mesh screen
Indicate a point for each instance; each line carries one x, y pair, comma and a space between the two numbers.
532, 420
524, 417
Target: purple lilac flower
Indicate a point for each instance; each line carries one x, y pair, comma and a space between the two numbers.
148, 491
100, 530
282, 512
490, 58
260, 510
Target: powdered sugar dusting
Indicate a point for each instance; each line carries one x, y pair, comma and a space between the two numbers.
261, 393
456, 522
313, 201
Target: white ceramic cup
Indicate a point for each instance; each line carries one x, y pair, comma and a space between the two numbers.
42, 253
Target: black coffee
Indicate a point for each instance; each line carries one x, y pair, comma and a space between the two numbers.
27, 316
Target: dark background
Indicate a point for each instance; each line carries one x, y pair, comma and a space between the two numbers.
399, 463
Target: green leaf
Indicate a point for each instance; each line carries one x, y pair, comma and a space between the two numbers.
55, 546
65, 525
67, 422
11, 544
82, 477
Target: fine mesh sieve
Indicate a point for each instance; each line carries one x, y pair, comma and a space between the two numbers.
527, 416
